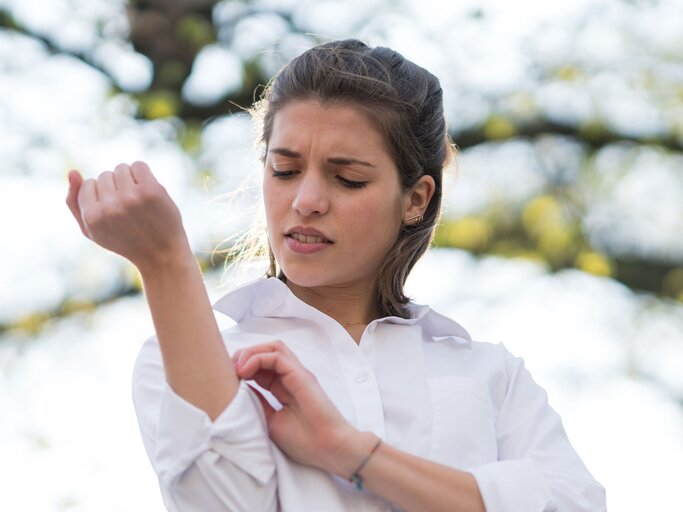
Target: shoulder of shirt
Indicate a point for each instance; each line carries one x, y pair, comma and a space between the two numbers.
434, 324
252, 298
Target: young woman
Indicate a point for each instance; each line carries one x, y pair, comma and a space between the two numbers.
333, 391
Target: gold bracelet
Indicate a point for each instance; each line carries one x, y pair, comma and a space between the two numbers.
356, 479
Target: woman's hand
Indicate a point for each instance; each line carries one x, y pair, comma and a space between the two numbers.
128, 212
308, 428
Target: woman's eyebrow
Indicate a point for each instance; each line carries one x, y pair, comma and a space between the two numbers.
285, 152
336, 160
348, 161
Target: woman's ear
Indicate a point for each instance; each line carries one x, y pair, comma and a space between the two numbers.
418, 198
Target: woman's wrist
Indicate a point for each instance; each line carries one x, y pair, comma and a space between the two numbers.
351, 453
179, 260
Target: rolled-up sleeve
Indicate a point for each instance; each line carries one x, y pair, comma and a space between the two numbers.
202, 465
538, 469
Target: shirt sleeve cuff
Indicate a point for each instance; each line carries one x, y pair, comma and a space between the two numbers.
239, 434
513, 486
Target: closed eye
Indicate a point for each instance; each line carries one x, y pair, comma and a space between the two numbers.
350, 183
283, 174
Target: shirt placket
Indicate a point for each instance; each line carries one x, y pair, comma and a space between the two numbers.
361, 380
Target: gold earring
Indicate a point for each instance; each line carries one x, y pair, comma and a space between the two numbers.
417, 219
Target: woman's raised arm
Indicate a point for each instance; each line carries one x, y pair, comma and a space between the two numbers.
130, 213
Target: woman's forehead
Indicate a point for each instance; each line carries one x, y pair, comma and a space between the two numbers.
339, 125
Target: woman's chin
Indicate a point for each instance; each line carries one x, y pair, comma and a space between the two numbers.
305, 279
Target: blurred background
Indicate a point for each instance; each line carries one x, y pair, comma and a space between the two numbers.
562, 234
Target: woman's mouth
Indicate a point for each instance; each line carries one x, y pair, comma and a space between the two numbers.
306, 244
309, 239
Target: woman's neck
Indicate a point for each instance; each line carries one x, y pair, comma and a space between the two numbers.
351, 305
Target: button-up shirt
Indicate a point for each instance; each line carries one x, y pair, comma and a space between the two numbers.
420, 383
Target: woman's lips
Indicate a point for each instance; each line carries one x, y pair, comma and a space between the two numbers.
309, 239
306, 244
301, 232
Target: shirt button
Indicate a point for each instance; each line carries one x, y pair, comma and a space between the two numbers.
362, 377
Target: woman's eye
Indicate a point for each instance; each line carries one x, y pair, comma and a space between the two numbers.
351, 184
283, 174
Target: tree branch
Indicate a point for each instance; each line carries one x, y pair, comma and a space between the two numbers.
595, 138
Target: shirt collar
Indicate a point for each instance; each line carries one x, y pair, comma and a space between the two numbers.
270, 297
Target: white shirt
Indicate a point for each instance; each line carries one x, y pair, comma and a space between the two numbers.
421, 384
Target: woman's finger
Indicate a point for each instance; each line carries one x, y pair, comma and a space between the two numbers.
87, 195
106, 188
75, 182
270, 346
270, 380
265, 378
142, 174
250, 364
87, 200
290, 377
123, 179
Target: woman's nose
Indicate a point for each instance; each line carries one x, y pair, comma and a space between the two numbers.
311, 195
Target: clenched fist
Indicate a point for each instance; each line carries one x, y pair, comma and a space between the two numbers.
128, 212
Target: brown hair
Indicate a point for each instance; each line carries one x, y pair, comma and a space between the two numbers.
405, 102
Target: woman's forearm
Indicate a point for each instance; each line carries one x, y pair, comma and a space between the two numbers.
196, 362
412, 483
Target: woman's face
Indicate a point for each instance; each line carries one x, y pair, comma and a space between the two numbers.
332, 194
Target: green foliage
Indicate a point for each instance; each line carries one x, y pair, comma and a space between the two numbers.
569, 73
196, 32
592, 130
543, 229
31, 324
673, 283
7, 20
253, 76
190, 137
158, 104
172, 74
498, 127
469, 233
594, 263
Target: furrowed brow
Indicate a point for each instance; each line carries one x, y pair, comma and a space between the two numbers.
285, 152
335, 161
348, 161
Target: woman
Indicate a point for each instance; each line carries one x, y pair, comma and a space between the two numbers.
333, 391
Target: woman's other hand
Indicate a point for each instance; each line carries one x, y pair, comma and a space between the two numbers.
128, 212
308, 428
